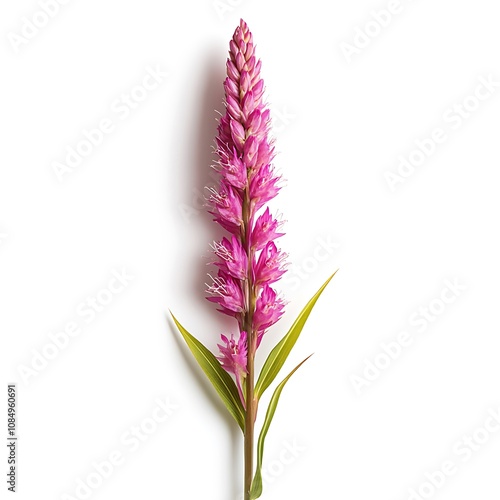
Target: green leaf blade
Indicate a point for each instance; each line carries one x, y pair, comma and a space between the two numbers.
220, 379
279, 354
256, 489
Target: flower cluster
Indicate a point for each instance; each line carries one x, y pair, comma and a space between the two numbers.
248, 261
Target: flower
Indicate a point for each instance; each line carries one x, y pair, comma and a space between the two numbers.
270, 265
234, 358
226, 292
265, 230
233, 259
268, 309
264, 186
227, 207
231, 166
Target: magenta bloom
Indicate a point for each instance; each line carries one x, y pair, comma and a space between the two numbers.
268, 310
265, 230
227, 208
232, 257
227, 292
270, 265
234, 358
248, 261
264, 186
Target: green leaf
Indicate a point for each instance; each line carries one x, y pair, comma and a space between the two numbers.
256, 489
221, 380
279, 354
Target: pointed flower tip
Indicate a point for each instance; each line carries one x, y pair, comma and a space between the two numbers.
242, 32
243, 25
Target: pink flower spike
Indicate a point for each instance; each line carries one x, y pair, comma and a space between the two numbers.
265, 230
268, 310
234, 359
270, 266
248, 260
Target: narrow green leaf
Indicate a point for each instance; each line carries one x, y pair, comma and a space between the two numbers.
279, 354
256, 490
220, 379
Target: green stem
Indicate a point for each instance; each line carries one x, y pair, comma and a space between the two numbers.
251, 403
249, 430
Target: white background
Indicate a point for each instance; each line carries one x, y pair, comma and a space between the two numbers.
133, 203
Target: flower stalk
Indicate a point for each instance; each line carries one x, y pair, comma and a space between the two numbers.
248, 261
247, 326
247, 183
